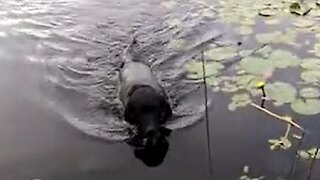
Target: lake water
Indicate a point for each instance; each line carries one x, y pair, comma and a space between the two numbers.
60, 117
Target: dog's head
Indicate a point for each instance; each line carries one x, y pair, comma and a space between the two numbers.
148, 110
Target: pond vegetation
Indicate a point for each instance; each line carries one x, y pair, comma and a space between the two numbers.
286, 39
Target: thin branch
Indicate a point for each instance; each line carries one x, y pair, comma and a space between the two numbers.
282, 118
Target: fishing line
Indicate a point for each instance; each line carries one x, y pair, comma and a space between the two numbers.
207, 115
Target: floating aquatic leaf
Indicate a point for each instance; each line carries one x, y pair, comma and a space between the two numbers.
303, 23
228, 87
169, 4
309, 92
195, 68
268, 12
255, 65
282, 59
177, 44
174, 23
208, 13
267, 38
265, 51
311, 76
247, 22
315, 13
307, 107
281, 92
220, 53
244, 30
314, 153
239, 100
282, 143
246, 169
213, 81
299, 9
287, 37
311, 64
316, 49
272, 21
309, 154
303, 154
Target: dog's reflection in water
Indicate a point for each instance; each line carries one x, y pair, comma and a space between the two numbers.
151, 150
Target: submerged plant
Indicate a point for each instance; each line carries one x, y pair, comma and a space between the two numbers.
246, 174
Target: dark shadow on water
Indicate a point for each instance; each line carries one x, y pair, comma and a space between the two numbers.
151, 156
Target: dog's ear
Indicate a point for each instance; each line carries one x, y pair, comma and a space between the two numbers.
129, 113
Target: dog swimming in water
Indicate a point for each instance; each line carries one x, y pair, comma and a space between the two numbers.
146, 106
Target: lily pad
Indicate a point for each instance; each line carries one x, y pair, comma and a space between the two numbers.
315, 13
312, 76
316, 49
299, 9
309, 154
303, 23
265, 51
169, 4
307, 107
244, 30
220, 53
281, 92
283, 59
309, 92
239, 100
177, 44
272, 21
268, 12
195, 68
311, 64
267, 38
255, 65
282, 143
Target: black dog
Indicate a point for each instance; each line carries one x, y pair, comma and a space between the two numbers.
146, 106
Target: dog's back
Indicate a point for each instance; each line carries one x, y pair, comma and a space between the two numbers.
136, 73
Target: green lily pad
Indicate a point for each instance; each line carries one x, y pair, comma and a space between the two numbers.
267, 38
169, 4
282, 143
272, 21
268, 12
265, 51
220, 53
287, 37
312, 76
307, 107
311, 64
283, 59
315, 13
281, 92
316, 49
244, 30
255, 65
247, 22
213, 81
177, 44
195, 68
309, 154
239, 100
303, 23
309, 92
299, 9
303, 154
